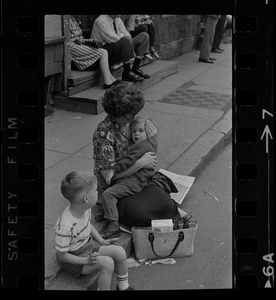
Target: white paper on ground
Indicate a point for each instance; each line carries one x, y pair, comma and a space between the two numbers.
182, 182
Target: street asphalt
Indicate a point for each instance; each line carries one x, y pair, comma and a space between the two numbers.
192, 110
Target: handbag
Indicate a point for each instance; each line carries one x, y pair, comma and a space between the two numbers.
150, 244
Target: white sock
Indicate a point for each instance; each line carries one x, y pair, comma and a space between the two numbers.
122, 281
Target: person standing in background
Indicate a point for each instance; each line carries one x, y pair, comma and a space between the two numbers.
219, 32
210, 22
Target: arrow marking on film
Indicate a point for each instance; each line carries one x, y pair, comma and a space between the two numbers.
264, 111
266, 133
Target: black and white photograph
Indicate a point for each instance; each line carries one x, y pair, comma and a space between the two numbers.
154, 218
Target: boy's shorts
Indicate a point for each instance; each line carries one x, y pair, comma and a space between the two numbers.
76, 270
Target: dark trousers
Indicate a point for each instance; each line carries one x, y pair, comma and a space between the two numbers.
219, 31
149, 29
120, 51
208, 36
127, 48
125, 187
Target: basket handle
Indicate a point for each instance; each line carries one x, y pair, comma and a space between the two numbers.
180, 239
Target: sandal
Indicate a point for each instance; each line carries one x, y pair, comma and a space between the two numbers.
155, 53
148, 56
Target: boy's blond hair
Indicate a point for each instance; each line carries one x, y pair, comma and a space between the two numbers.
76, 182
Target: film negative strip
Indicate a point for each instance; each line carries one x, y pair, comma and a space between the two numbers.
253, 151
22, 165
22, 184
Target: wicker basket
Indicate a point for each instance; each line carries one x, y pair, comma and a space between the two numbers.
150, 244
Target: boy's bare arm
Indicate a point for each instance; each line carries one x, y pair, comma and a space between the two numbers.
96, 236
73, 259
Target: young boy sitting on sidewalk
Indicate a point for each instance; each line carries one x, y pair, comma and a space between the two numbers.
80, 248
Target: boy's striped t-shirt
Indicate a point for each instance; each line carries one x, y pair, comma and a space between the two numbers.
72, 233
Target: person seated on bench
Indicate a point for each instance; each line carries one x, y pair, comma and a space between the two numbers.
136, 24
111, 32
84, 56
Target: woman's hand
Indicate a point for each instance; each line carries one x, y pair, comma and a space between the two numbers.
148, 160
152, 132
79, 40
150, 129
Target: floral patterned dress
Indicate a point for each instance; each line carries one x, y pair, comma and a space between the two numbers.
110, 143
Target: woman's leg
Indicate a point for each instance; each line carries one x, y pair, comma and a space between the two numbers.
104, 65
105, 266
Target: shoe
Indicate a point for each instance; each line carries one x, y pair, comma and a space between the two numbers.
154, 53
205, 60
131, 77
98, 212
140, 73
130, 288
99, 216
148, 56
216, 50
212, 58
112, 230
114, 83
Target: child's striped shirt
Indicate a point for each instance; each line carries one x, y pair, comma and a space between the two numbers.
72, 233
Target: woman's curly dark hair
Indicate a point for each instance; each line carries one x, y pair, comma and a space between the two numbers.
122, 99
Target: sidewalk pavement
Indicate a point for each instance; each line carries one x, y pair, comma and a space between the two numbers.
192, 110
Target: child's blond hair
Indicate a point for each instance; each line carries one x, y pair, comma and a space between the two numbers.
139, 119
76, 182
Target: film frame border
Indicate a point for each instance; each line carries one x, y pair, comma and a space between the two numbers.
254, 219
253, 263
